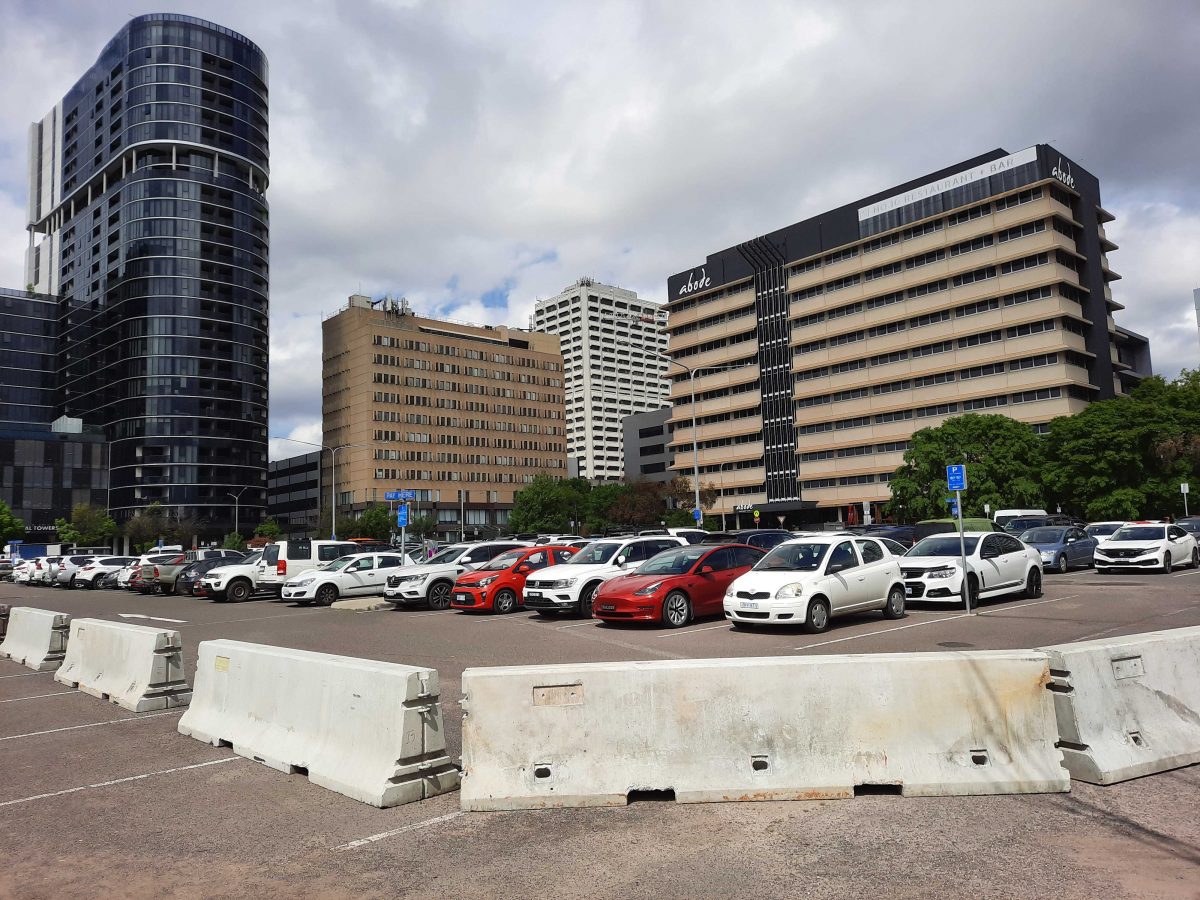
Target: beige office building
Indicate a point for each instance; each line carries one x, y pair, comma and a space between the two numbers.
819, 349
465, 415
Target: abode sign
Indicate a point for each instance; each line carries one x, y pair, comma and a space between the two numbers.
694, 284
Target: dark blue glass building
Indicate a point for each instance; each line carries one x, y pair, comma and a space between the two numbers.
149, 220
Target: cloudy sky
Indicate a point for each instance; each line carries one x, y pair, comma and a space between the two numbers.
475, 156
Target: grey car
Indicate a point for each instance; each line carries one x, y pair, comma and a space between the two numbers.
1062, 548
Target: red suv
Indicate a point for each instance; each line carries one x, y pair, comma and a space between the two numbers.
496, 585
675, 586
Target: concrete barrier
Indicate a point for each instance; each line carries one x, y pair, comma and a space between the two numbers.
3, 620
137, 667
370, 730
1128, 706
920, 724
36, 638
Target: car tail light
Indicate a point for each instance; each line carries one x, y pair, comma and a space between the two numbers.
156, 571
281, 568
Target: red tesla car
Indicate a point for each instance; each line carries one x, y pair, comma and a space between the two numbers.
496, 585
675, 586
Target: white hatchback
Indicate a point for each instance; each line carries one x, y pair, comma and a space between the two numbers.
809, 580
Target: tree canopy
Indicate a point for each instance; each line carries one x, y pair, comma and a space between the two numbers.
546, 505
89, 526
10, 526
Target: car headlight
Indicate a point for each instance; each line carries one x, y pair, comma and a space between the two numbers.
947, 572
303, 582
565, 582
791, 591
648, 589
412, 579
484, 582
1047, 555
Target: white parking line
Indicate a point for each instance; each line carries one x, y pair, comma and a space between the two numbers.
88, 787
440, 612
693, 630
307, 612
26, 674
1185, 574
151, 618
868, 634
40, 696
993, 612
14, 737
437, 820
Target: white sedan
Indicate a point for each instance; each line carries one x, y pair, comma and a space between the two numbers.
1147, 545
997, 564
357, 575
809, 580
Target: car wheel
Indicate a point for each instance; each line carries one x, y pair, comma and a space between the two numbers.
71, 583
327, 594
586, 596
1167, 567
817, 619
439, 595
1060, 564
894, 609
505, 602
90, 585
238, 591
1033, 584
1196, 558
547, 613
676, 610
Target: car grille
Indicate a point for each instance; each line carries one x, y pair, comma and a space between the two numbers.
543, 584
1125, 554
754, 595
393, 580
913, 573
917, 588
750, 614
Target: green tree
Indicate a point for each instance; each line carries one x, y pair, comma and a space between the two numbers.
375, 522
420, 526
1004, 460
268, 528
89, 526
144, 529
234, 541
11, 528
543, 505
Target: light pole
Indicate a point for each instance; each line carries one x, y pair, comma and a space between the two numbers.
236, 503
721, 474
695, 435
332, 476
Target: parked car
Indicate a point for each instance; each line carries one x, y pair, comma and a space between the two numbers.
1003, 516
1190, 524
675, 586
1101, 530
354, 575
45, 570
1061, 548
927, 527
161, 577
691, 535
901, 534
23, 570
997, 565
809, 580
497, 585
6, 568
558, 540
105, 582
234, 581
762, 538
1019, 526
283, 559
89, 574
431, 583
1147, 545
572, 587
190, 575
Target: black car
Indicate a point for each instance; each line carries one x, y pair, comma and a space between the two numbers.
762, 538
1017, 527
901, 534
191, 573
106, 582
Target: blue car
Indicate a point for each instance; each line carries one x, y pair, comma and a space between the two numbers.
1062, 548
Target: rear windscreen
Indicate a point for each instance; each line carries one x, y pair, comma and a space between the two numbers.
270, 554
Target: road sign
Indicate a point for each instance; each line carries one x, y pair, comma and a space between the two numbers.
391, 495
956, 478
1183, 488
953, 505
402, 515
697, 515
756, 515
407, 494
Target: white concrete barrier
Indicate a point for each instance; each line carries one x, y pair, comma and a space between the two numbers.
137, 667
3, 620
921, 724
1128, 706
370, 730
36, 638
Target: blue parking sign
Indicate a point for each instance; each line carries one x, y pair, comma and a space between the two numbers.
402, 516
956, 478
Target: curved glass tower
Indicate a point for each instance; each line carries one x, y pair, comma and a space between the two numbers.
149, 219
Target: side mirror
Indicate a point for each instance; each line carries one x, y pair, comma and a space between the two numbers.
706, 570
524, 569
1071, 540
620, 562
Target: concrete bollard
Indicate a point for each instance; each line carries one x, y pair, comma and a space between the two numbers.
36, 638
137, 667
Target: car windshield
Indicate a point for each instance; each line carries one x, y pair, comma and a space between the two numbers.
793, 558
1103, 530
943, 545
673, 562
338, 564
503, 561
1044, 535
449, 555
1140, 533
595, 553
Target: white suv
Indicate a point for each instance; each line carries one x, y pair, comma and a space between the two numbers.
432, 582
997, 564
235, 581
572, 585
283, 559
1147, 545
100, 566
809, 580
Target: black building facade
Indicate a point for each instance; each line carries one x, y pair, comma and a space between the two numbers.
28, 341
294, 493
148, 192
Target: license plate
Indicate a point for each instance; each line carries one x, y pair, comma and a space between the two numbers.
749, 604
461, 598
536, 595
608, 606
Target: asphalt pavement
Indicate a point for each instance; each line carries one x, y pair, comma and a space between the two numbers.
96, 801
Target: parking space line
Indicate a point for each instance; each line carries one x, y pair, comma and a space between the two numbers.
304, 612
40, 696
88, 787
692, 630
14, 737
867, 634
1185, 574
26, 674
440, 612
1001, 609
437, 820
576, 624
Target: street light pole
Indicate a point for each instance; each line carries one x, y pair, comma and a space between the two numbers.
236, 503
332, 476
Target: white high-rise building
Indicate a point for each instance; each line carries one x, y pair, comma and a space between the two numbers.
613, 347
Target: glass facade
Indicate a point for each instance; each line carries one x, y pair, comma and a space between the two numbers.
28, 338
162, 231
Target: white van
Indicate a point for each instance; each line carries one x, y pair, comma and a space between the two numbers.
285, 559
1004, 516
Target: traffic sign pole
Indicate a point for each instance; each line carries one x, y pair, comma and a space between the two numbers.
956, 480
1184, 489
